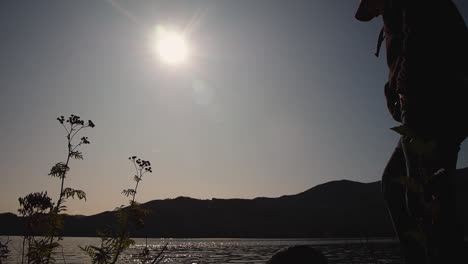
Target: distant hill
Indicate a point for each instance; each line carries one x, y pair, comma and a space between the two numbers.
335, 209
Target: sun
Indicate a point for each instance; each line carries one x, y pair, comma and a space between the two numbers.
170, 45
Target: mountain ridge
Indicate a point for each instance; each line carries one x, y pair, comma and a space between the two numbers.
341, 208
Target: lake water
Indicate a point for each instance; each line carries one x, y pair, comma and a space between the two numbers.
254, 251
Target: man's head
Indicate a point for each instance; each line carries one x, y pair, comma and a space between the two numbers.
368, 9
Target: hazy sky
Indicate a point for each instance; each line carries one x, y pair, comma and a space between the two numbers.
276, 97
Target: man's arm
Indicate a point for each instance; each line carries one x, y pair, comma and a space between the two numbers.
413, 63
434, 46
393, 104
421, 70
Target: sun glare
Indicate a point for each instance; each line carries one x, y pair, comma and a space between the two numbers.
170, 46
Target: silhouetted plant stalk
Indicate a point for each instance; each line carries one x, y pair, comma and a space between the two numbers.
160, 257
41, 216
147, 258
112, 246
141, 167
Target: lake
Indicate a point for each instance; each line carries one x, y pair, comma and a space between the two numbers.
254, 251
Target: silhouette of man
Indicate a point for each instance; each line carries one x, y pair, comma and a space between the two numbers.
427, 56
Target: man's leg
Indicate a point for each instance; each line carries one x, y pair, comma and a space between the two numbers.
431, 165
394, 191
447, 238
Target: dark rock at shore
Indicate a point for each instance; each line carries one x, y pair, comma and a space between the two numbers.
298, 255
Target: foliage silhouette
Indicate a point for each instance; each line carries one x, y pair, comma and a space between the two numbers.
35, 209
4, 251
114, 243
43, 221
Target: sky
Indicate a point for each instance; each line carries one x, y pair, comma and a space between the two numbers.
276, 97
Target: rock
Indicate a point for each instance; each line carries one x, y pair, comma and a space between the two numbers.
298, 255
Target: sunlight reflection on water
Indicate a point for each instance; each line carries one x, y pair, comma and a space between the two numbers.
253, 251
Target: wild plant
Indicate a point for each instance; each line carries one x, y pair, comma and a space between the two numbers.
43, 221
113, 243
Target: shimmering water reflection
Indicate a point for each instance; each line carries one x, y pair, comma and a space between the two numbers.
254, 251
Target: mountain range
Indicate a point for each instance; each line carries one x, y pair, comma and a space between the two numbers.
334, 209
